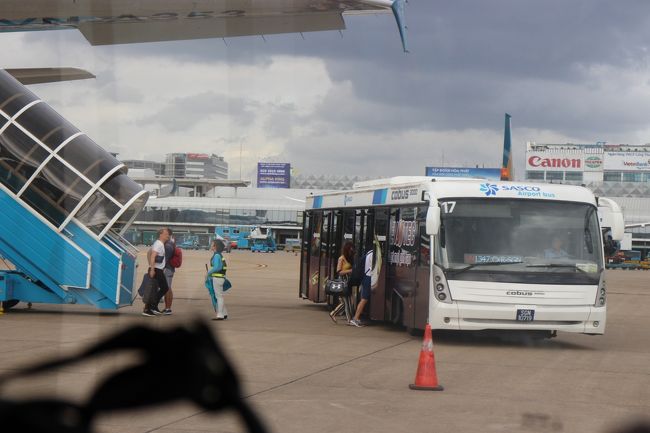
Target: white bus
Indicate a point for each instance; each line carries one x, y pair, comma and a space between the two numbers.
506, 255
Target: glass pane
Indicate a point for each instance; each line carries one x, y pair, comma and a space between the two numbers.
19, 158
121, 187
136, 207
13, 95
554, 175
97, 212
46, 125
86, 156
72, 188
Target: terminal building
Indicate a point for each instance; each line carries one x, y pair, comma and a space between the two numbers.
617, 171
588, 163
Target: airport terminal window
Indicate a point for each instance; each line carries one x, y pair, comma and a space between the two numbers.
573, 175
554, 175
47, 125
632, 177
535, 175
612, 176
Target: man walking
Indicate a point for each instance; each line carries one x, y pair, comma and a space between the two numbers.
156, 260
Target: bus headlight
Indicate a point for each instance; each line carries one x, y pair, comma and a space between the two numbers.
601, 293
439, 287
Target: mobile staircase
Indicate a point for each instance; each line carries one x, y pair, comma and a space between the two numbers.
64, 202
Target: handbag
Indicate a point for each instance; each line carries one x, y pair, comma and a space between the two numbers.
335, 287
148, 289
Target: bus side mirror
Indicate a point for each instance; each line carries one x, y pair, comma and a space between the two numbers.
433, 218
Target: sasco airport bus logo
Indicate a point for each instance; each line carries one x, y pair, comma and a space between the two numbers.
529, 191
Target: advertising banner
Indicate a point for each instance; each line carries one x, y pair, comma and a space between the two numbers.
474, 173
627, 161
273, 175
594, 163
546, 161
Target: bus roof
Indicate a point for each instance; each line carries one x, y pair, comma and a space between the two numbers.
410, 190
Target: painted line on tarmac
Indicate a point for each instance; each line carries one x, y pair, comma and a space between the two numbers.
273, 388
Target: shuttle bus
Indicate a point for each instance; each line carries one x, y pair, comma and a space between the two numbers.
468, 254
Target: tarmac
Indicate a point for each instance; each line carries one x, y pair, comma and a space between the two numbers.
302, 373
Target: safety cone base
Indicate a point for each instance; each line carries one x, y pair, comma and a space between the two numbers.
426, 388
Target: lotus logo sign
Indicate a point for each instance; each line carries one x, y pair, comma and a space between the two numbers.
593, 162
489, 189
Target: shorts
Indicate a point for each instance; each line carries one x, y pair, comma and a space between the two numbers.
365, 288
169, 275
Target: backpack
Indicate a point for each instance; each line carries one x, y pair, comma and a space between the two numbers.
176, 260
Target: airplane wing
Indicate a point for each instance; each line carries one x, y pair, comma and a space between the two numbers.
48, 75
107, 22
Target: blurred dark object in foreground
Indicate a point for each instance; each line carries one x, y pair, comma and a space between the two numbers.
201, 373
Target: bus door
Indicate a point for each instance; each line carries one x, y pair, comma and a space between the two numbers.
304, 255
314, 255
422, 270
378, 295
401, 267
327, 242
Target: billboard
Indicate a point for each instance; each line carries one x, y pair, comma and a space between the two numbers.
474, 173
273, 175
627, 161
547, 161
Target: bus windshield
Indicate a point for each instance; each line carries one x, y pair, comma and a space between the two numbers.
520, 236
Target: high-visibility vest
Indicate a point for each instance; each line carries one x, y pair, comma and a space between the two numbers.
222, 272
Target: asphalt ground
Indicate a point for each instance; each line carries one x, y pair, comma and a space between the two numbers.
303, 373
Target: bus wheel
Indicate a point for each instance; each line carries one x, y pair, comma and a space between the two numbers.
9, 304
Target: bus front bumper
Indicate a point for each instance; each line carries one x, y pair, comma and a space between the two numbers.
474, 317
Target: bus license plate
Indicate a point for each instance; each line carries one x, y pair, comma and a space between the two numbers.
525, 315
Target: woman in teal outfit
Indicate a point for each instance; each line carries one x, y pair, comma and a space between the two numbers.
215, 279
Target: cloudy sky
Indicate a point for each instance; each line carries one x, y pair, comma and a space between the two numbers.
354, 103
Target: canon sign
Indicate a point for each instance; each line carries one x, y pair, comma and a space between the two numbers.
538, 161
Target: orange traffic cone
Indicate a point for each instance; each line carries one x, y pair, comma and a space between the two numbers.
426, 378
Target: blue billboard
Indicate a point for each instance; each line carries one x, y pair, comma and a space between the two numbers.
474, 173
273, 175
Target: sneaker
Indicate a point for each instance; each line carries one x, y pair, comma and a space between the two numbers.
356, 323
156, 311
167, 311
148, 313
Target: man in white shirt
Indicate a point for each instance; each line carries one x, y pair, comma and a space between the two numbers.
156, 259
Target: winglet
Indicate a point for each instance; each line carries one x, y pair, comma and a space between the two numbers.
397, 6
398, 12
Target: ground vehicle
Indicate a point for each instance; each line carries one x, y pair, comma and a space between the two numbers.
262, 242
489, 267
239, 236
292, 244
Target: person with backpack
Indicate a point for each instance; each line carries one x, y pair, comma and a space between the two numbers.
173, 258
216, 281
